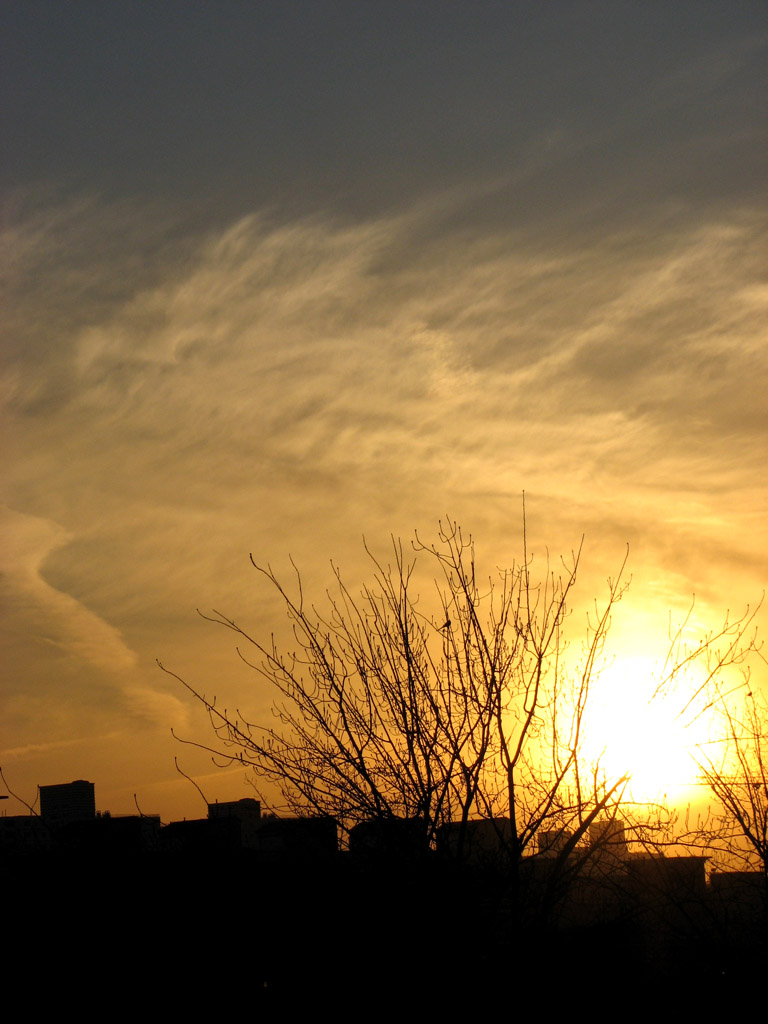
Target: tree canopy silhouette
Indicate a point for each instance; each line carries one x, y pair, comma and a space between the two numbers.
386, 707
735, 767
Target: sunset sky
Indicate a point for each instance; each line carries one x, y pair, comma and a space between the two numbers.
278, 276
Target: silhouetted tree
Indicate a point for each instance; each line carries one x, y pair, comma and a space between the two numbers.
735, 767
383, 711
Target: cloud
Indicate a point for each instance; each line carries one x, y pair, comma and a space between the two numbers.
55, 618
283, 385
29, 750
156, 708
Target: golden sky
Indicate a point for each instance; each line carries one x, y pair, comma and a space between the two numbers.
278, 277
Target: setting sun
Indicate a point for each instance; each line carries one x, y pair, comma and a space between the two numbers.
632, 732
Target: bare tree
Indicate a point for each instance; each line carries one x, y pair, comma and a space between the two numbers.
733, 761
735, 767
383, 711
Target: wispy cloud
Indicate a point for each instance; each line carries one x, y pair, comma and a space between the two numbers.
57, 618
286, 386
306, 351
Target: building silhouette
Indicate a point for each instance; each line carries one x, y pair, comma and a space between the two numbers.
246, 811
67, 803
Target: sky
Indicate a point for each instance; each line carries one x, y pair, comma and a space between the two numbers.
280, 276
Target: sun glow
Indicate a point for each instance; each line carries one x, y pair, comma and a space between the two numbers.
629, 731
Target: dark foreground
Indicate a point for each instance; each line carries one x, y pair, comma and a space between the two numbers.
227, 934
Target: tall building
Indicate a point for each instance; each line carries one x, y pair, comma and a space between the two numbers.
247, 811
68, 802
552, 841
609, 834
